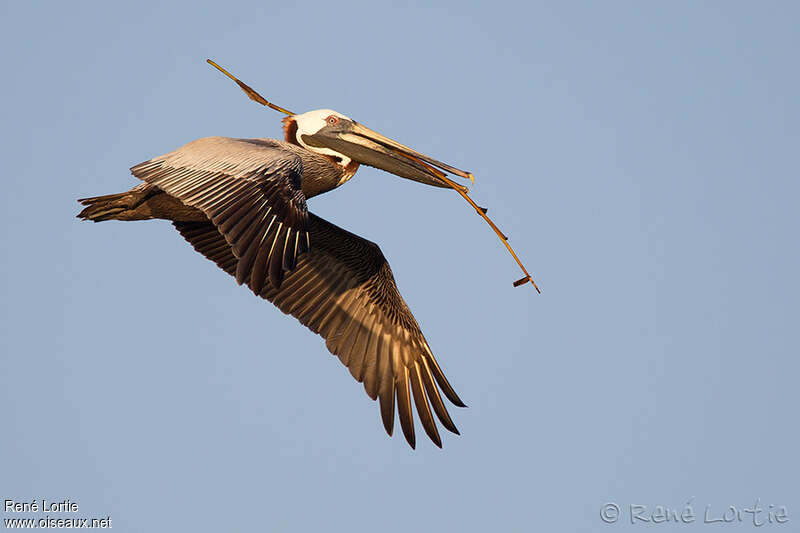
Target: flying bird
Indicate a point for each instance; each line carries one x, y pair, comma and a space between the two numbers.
242, 204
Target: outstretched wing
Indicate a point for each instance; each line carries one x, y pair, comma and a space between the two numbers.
250, 190
343, 289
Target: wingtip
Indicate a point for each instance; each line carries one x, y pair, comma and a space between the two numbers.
455, 399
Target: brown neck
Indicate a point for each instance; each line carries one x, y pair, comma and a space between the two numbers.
290, 130
321, 172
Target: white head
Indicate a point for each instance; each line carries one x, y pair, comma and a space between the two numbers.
311, 122
351, 144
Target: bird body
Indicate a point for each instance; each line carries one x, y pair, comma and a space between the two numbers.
242, 204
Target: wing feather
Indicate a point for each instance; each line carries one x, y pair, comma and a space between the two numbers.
421, 401
404, 405
237, 183
344, 290
371, 362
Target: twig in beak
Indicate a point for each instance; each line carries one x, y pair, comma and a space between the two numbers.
460, 189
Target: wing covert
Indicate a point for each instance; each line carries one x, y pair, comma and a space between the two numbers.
250, 189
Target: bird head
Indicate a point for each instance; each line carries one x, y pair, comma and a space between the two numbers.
346, 141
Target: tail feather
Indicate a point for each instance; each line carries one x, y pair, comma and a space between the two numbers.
143, 202
99, 208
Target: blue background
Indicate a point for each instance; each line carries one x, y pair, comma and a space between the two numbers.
641, 156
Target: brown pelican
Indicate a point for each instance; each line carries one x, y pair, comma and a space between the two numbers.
242, 204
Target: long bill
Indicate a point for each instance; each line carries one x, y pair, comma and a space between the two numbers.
363, 131
369, 147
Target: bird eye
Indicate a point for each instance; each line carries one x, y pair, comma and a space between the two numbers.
332, 120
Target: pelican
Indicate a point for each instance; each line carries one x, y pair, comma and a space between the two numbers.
242, 204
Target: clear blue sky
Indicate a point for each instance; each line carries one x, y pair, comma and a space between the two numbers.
642, 157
